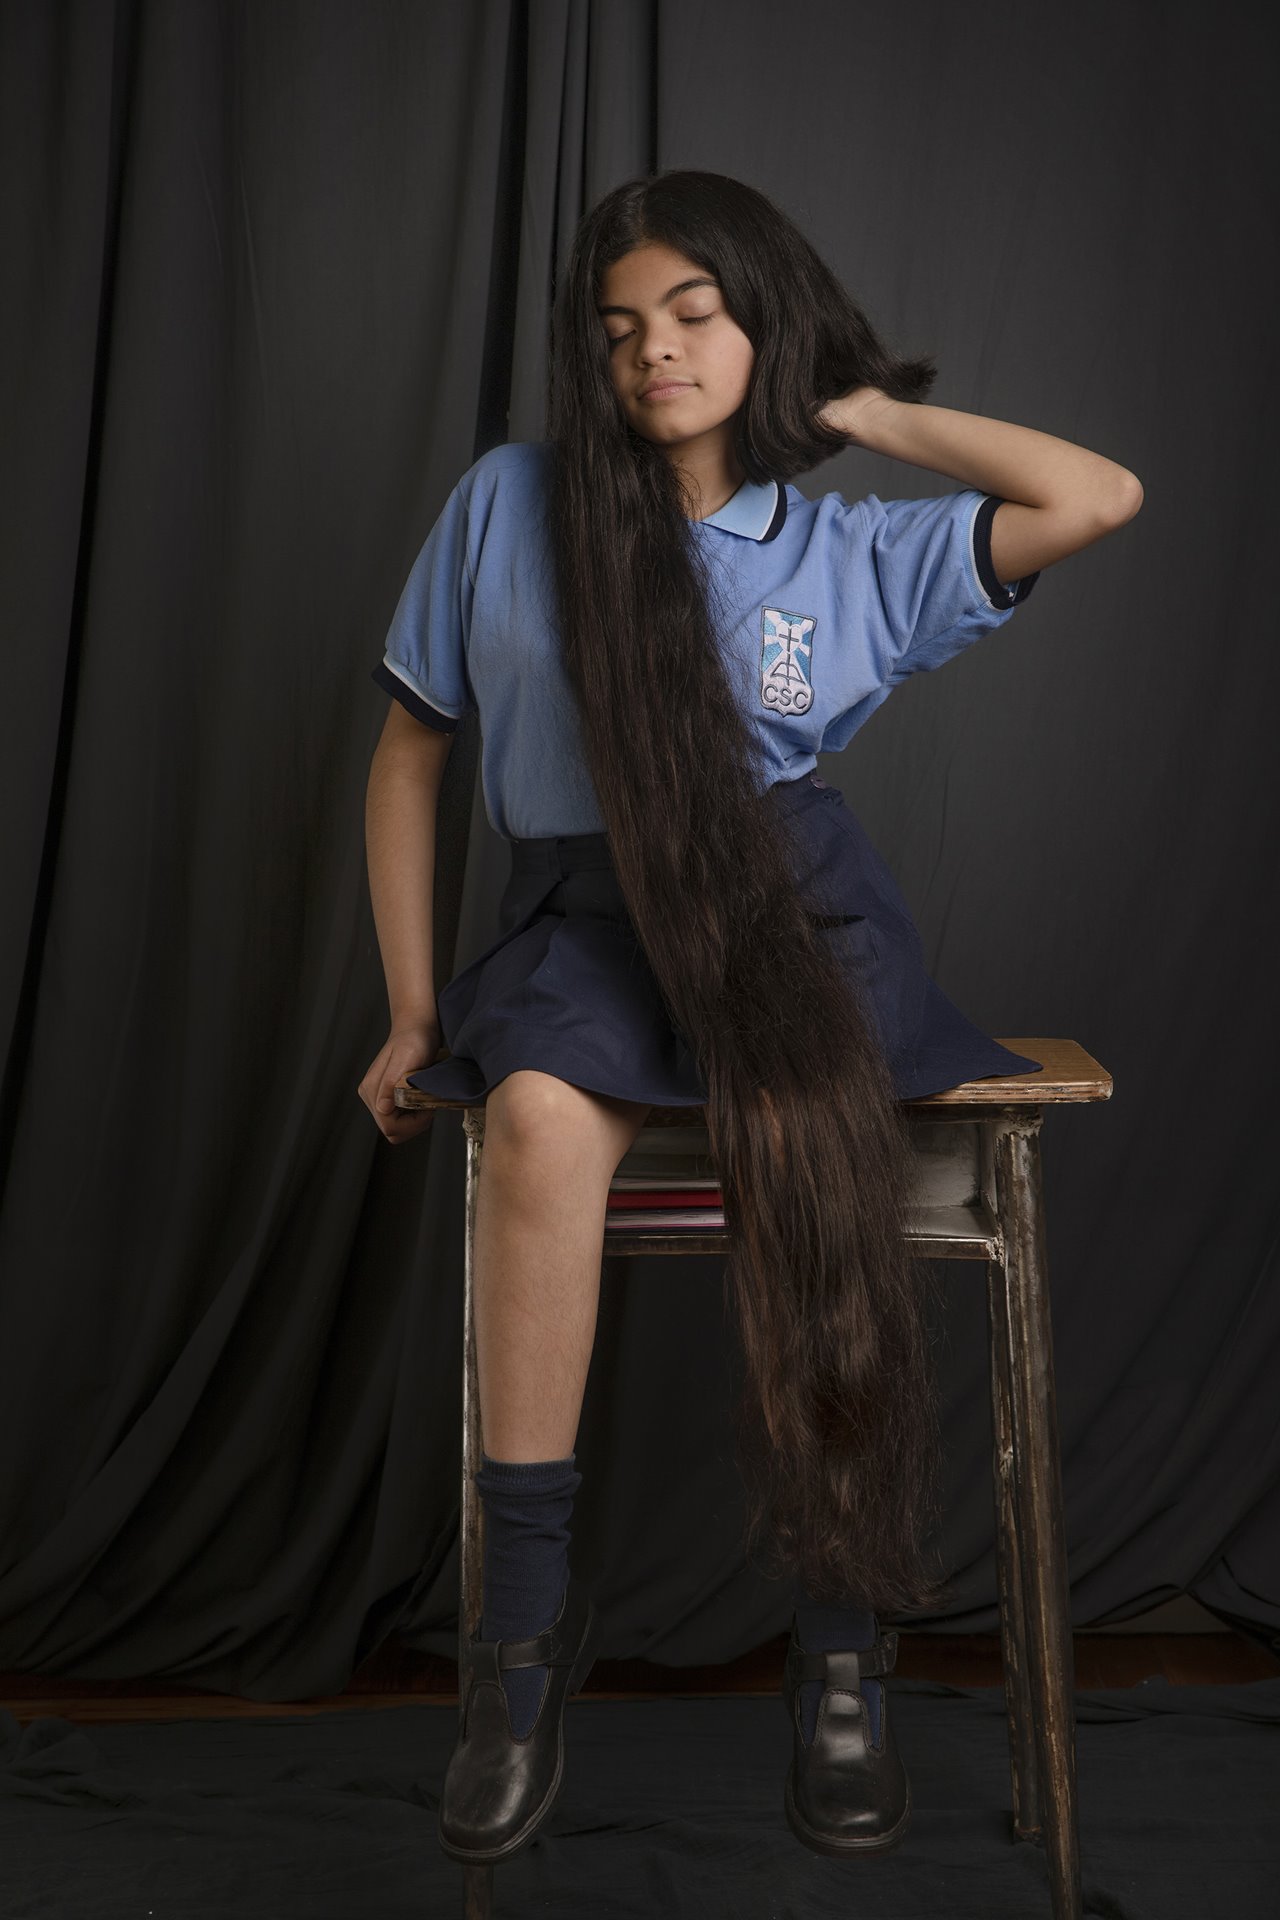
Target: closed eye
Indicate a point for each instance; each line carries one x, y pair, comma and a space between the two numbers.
699, 321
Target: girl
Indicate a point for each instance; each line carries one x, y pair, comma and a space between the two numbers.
660, 633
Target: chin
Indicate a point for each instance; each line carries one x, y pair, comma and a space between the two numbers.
664, 431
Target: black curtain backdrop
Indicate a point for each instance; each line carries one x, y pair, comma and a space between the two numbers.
275, 276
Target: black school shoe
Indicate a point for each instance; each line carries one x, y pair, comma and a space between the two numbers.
497, 1789
844, 1796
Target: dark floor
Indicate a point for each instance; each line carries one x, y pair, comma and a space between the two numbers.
394, 1676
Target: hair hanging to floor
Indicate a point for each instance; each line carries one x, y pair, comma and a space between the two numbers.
837, 1430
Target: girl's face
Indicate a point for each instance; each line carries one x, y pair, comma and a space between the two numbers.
680, 365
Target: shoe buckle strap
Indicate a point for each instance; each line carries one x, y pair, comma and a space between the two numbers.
546, 1649
489, 1659
848, 1666
484, 1662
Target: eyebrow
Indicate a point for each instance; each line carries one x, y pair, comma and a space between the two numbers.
683, 287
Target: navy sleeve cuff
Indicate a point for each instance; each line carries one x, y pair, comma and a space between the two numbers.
1002, 595
430, 716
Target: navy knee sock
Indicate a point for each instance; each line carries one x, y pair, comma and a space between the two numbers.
821, 1628
527, 1506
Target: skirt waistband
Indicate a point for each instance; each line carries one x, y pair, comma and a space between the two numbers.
566, 853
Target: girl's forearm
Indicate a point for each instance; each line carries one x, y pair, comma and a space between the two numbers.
400, 841
1017, 463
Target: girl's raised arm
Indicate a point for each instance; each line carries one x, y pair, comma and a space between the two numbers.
1056, 497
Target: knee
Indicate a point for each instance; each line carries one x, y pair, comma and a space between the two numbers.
537, 1113
539, 1116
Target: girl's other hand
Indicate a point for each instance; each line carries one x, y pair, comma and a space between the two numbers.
849, 411
408, 1048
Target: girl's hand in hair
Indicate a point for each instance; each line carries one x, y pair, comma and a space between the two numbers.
842, 415
408, 1047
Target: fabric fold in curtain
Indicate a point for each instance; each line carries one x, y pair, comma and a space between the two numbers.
276, 278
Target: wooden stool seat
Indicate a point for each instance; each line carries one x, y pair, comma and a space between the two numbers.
978, 1196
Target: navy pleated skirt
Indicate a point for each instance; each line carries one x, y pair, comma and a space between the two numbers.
567, 988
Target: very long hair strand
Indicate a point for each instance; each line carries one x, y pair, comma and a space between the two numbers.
837, 1423
809, 1144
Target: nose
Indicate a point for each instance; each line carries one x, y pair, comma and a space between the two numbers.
657, 342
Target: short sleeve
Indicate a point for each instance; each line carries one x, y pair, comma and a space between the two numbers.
425, 663
936, 587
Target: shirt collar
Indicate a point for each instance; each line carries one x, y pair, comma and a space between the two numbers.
756, 511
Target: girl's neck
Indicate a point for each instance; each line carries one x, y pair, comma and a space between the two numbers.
712, 473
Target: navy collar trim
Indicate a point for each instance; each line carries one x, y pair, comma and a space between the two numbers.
757, 511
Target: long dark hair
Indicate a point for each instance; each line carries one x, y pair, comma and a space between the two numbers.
837, 1430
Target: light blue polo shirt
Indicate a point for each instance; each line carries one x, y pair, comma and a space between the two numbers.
823, 606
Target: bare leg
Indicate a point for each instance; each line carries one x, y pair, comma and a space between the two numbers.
550, 1150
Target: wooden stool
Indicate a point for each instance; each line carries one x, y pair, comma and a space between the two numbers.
978, 1197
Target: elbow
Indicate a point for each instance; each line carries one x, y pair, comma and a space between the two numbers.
1126, 498
1111, 498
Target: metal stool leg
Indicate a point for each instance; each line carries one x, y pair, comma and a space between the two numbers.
1038, 1494
1023, 1766
477, 1881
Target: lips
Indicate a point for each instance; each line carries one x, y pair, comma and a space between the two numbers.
659, 387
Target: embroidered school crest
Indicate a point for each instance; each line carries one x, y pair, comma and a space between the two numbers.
786, 661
